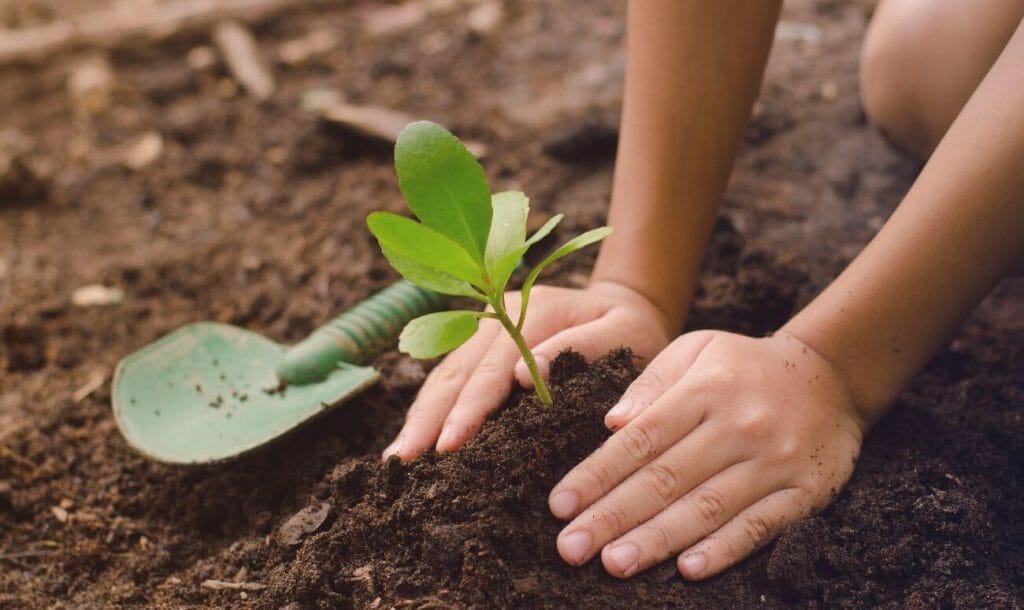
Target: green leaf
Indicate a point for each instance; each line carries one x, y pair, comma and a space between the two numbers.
503, 269
410, 240
431, 279
444, 185
508, 225
543, 231
574, 244
434, 334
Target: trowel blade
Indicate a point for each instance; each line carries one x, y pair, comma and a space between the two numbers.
207, 392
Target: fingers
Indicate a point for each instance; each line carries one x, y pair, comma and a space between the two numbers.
689, 519
592, 340
745, 533
664, 371
439, 393
641, 441
487, 387
646, 493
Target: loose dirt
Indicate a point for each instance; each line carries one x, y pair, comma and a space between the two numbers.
252, 214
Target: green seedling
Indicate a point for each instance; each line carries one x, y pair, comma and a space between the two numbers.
468, 243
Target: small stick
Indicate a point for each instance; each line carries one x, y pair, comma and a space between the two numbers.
242, 56
220, 585
23, 554
132, 20
14, 457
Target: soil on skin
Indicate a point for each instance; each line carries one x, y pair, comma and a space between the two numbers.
253, 215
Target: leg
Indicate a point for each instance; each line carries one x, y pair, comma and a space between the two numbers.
922, 60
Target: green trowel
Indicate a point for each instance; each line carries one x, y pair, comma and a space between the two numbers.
209, 392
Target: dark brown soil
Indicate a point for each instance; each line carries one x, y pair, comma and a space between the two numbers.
253, 215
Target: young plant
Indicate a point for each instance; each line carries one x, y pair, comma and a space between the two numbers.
467, 243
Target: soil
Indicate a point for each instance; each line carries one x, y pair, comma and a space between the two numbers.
253, 215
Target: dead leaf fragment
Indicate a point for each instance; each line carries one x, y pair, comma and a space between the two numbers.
383, 124
92, 384
304, 522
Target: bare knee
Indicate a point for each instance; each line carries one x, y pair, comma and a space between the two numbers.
922, 60
890, 85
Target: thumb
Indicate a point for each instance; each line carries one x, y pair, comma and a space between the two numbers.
591, 340
661, 374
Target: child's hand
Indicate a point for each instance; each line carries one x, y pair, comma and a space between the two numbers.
477, 377
722, 442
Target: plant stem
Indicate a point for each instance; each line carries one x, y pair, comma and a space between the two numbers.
538, 382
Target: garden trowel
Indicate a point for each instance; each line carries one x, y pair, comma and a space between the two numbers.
209, 392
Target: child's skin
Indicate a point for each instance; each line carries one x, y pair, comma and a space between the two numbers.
724, 440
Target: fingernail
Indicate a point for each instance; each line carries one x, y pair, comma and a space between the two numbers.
543, 364
576, 546
523, 374
694, 564
621, 408
624, 557
563, 504
395, 447
447, 438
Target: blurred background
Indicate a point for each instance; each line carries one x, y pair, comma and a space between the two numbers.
169, 161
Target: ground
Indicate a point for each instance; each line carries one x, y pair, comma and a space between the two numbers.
252, 214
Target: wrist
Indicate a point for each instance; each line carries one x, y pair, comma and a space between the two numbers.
670, 308
623, 292
869, 382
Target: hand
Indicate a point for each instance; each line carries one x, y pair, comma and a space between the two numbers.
722, 442
477, 377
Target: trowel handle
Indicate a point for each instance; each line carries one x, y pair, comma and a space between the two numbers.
358, 335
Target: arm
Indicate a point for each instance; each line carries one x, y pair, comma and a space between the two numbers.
725, 440
676, 149
694, 69
956, 233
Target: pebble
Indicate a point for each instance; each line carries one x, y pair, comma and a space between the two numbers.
91, 84
96, 295
829, 91
201, 58
147, 149
59, 514
485, 17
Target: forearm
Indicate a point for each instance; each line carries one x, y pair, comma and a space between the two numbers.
956, 233
693, 71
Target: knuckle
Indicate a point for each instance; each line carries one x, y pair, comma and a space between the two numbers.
640, 440
447, 373
758, 529
709, 505
753, 422
612, 519
787, 448
719, 376
648, 382
492, 368
593, 476
660, 540
727, 547
662, 481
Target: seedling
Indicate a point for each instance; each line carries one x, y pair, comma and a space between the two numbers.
468, 243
